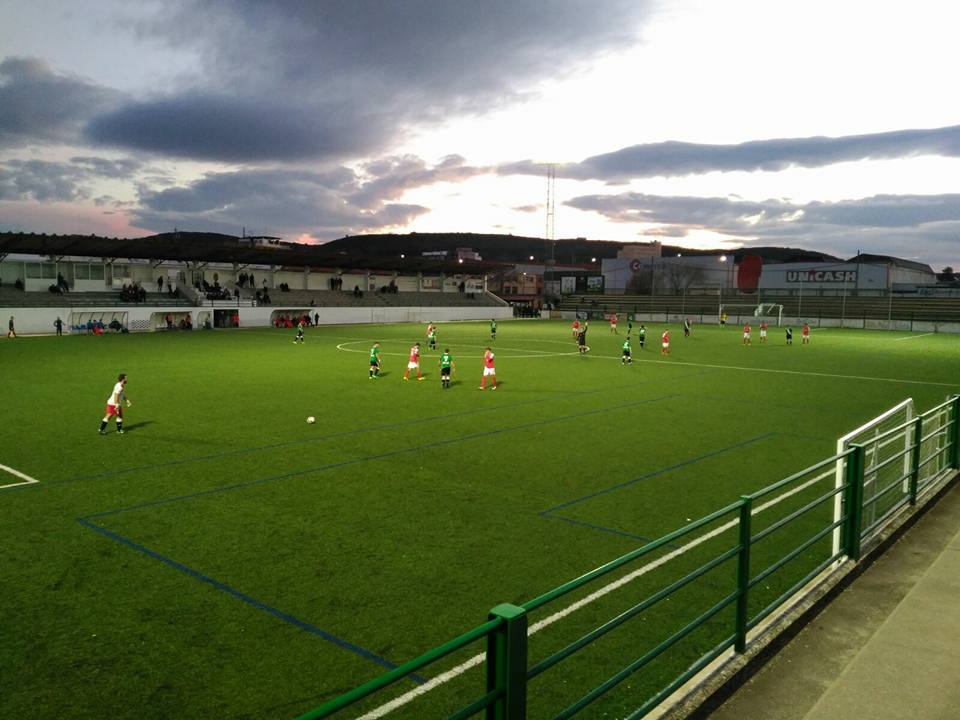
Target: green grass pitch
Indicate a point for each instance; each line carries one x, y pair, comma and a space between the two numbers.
223, 558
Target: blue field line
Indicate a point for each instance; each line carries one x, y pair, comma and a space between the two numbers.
223, 587
601, 528
379, 456
646, 476
356, 431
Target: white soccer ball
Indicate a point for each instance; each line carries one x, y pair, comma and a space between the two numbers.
311, 420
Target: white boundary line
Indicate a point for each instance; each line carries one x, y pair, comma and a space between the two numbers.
913, 337
25, 479
478, 659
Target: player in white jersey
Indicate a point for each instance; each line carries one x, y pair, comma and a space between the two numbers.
115, 405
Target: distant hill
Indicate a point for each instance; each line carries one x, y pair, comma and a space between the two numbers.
517, 248
380, 250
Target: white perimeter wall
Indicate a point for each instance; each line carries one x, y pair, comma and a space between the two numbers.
734, 320
40, 320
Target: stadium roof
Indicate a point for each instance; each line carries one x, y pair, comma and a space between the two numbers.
890, 260
211, 247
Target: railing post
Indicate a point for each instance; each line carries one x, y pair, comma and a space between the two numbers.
507, 663
854, 502
743, 574
955, 435
915, 458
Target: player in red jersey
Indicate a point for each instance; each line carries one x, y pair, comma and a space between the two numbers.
763, 331
413, 362
805, 334
613, 324
746, 334
488, 370
576, 327
665, 342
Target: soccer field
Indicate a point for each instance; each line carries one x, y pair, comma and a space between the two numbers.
223, 558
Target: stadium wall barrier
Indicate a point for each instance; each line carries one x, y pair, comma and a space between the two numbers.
925, 326
141, 318
738, 576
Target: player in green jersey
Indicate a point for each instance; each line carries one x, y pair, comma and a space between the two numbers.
432, 337
446, 367
493, 329
626, 359
299, 337
642, 335
375, 361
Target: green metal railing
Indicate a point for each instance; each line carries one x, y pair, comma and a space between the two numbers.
806, 526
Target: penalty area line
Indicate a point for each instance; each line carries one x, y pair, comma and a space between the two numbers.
24, 479
480, 658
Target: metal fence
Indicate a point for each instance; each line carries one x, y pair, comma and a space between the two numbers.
753, 557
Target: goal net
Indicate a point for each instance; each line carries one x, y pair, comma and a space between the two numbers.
886, 440
770, 311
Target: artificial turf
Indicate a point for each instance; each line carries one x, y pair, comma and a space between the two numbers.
223, 558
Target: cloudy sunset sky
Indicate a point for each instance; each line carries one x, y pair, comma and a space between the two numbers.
831, 126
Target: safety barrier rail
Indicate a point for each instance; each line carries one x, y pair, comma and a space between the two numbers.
797, 506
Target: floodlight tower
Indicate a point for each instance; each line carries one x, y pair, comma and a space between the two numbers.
550, 235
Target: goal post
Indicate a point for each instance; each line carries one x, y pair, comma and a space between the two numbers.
771, 311
883, 438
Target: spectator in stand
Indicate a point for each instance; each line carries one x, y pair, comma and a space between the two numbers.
250, 280
160, 284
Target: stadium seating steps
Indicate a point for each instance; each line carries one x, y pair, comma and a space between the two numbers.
11, 297
336, 298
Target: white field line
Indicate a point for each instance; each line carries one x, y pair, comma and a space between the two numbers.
478, 659
540, 353
24, 479
666, 363
914, 337
688, 364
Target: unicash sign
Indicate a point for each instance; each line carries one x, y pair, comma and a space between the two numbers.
822, 276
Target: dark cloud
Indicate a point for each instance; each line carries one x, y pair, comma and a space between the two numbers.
901, 225
343, 78
38, 105
749, 217
324, 204
108, 168
393, 176
669, 159
59, 182
237, 129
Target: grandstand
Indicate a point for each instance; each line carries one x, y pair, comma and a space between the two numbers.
45, 277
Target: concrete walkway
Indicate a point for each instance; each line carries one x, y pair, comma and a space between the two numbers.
887, 648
